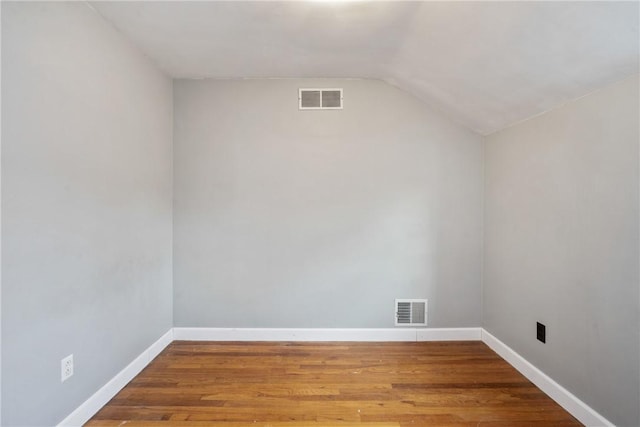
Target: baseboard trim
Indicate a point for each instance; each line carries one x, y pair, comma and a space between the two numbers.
333, 334
449, 334
92, 405
576, 407
562, 396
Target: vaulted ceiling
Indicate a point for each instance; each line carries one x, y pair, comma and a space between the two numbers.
486, 65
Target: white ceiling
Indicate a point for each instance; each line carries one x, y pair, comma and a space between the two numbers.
486, 65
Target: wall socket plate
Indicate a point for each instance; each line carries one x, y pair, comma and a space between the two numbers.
66, 368
541, 332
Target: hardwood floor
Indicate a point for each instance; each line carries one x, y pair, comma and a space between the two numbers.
196, 384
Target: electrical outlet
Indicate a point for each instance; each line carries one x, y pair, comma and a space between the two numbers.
66, 368
541, 332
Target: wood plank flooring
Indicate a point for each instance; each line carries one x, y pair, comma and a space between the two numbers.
197, 384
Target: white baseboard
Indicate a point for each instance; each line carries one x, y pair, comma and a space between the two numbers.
576, 407
449, 334
92, 405
333, 334
566, 399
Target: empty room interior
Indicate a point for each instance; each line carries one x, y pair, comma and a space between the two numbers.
320, 213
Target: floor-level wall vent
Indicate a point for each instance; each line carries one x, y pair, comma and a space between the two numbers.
320, 99
411, 312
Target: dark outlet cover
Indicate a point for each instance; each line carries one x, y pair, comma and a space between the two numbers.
542, 332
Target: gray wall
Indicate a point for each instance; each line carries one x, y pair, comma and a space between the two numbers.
561, 246
288, 218
86, 199
285, 218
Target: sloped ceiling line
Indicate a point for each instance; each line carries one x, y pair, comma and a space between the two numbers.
486, 65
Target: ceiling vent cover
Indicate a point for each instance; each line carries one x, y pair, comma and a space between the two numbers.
320, 99
411, 312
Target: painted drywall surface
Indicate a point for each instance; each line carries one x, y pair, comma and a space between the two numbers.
0, 233
289, 218
86, 199
561, 246
486, 64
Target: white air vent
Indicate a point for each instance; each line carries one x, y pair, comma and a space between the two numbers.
411, 312
320, 99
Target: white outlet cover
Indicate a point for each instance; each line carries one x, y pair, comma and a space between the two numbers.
66, 368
